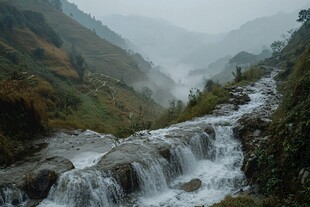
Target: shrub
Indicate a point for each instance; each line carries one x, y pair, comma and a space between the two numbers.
36, 22
22, 112
240, 201
6, 149
39, 53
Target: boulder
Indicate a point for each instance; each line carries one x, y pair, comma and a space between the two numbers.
210, 131
249, 128
192, 185
39, 182
40, 179
251, 167
118, 162
239, 98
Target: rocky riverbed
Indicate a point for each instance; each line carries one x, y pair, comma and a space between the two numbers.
192, 163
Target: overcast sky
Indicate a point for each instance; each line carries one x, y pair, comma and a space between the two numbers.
211, 16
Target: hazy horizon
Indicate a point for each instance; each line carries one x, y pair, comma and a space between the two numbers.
211, 16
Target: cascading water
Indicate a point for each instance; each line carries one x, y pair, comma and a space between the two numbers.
193, 154
11, 196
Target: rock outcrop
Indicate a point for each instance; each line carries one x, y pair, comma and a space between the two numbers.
33, 182
119, 161
40, 179
192, 185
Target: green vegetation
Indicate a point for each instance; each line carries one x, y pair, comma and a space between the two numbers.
246, 201
288, 150
241, 61
71, 10
238, 75
22, 111
203, 102
100, 55
286, 155
45, 83
304, 15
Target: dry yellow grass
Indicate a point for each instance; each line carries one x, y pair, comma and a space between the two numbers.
56, 59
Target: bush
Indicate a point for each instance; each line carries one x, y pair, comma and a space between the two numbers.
39, 53
6, 149
36, 22
240, 201
22, 112
288, 150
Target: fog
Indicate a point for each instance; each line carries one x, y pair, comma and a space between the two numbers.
211, 16
185, 37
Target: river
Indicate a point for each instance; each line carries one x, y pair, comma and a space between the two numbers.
214, 156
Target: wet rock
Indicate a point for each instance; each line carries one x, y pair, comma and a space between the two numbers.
10, 194
251, 167
164, 151
210, 131
250, 128
118, 162
40, 179
239, 98
38, 183
192, 185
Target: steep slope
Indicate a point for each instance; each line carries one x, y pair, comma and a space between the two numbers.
100, 55
284, 162
91, 23
43, 86
251, 37
155, 78
244, 60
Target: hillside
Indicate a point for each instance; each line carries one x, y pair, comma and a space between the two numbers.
44, 86
100, 55
245, 38
280, 165
244, 60
285, 161
89, 22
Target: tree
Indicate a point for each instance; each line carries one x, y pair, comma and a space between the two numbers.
238, 74
194, 96
78, 62
209, 85
303, 16
147, 92
39, 53
57, 4
277, 47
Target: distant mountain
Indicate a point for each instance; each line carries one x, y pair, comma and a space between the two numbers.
91, 23
242, 59
251, 37
158, 39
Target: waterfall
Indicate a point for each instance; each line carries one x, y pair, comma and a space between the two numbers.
78, 189
12, 196
192, 154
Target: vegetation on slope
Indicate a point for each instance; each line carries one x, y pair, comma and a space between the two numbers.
100, 55
91, 23
281, 164
44, 85
284, 162
203, 102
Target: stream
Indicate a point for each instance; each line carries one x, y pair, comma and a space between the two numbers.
159, 162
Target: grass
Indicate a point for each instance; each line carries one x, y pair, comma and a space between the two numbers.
100, 55
204, 102
246, 201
